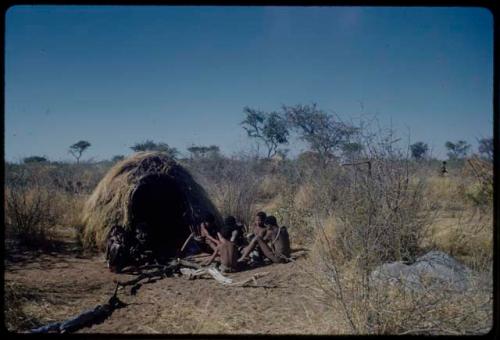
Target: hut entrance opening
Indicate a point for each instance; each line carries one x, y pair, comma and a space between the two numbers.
159, 202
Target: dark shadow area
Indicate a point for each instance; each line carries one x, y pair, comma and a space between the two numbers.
59, 251
160, 204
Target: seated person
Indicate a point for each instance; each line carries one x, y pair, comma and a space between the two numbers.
274, 244
202, 239
208, 232
258, 227
226, 250
280, 240
237, 233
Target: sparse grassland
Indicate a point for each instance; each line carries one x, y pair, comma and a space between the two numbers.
351, 219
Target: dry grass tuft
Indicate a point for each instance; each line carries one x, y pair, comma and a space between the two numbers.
15, 298
467, 236
31, 214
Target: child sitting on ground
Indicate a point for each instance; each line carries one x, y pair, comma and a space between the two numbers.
226, 250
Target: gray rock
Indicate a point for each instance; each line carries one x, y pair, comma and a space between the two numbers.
432, 270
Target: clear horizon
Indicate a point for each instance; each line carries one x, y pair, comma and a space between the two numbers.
118, 75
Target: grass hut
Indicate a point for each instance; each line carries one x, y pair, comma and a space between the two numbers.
146, 187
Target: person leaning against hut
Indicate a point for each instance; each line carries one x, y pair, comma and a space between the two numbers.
226, 250
274, 243
208, 231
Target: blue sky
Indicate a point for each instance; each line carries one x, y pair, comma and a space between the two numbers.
182, 75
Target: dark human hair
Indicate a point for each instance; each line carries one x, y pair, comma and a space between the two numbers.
209, 217
262, 215
271, 220
230, 221
226, 232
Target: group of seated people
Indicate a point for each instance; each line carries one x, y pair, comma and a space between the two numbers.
236, 249
232, 246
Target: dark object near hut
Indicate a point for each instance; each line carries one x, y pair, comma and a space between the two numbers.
85, 319
147, 189
117, 249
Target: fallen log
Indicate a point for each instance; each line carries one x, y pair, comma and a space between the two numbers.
85, 319
50, 328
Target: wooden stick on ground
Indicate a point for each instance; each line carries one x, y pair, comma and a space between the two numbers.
187, 263
161, 271
187, 241
217, 275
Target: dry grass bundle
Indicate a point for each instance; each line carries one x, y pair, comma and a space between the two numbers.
146, 187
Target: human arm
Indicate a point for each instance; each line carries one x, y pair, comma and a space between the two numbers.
267, 251
248, 249
205, 233
268, 234
212, 257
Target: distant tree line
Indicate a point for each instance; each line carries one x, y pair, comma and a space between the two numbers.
200, 151
326, 135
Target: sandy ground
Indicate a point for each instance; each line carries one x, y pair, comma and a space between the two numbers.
56, 286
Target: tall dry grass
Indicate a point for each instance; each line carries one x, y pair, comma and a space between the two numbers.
352, 217
392, 309
385, 211
37, 210
231, 183
30, 211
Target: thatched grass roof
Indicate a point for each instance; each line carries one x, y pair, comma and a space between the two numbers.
112, 200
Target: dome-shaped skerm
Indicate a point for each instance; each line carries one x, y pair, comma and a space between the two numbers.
151, 188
